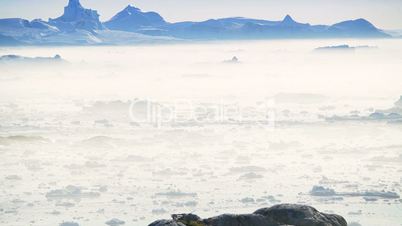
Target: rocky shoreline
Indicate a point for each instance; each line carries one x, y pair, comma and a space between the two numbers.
278, 215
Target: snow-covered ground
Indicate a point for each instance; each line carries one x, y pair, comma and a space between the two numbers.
133, 134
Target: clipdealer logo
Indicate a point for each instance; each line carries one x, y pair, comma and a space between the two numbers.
160, 113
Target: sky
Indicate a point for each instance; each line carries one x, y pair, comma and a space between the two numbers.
385, 14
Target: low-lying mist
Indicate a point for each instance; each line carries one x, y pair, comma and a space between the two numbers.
136, 133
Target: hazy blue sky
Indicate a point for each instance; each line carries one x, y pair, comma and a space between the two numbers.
385, 14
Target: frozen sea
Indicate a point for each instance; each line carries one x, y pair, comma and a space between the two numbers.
137, 133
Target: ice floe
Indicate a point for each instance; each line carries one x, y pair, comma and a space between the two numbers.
115, 222
71, 192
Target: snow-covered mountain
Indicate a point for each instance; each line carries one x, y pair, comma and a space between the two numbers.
81, 26
77, 26
77, 17
240, 28
133, 19
26, 32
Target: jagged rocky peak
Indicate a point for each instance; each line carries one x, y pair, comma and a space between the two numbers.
77, 17
74, 11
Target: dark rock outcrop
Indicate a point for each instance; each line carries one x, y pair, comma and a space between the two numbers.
166, 223
300, 215
240, 220
278, 215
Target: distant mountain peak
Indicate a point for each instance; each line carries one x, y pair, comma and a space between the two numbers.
131, 8
288, 19
132, 18
361, 26
362, 20
357, 22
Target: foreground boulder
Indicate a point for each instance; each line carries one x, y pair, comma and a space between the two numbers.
291, 214
166, 223
240, 220
278, 215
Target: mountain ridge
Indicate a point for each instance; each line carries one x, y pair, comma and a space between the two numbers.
79, 25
